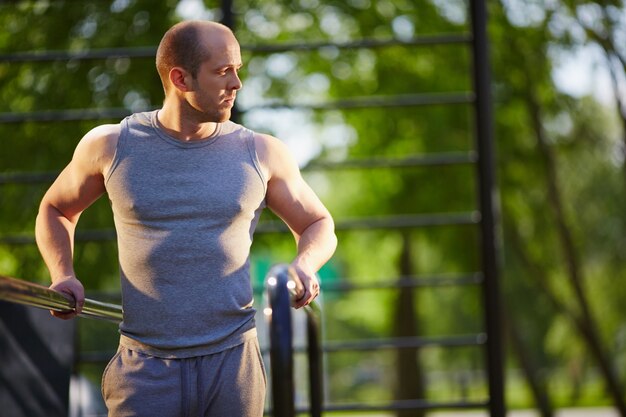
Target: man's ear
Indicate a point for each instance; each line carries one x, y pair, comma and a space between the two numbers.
180, 79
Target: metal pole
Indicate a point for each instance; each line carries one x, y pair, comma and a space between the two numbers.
488, 207
281, 349
314, 351
283, 287
35, 295
228, 19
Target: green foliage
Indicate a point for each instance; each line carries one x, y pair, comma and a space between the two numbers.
583, 135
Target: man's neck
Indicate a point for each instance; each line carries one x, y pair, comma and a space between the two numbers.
172, 120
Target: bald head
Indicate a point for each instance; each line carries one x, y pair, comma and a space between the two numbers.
187, 45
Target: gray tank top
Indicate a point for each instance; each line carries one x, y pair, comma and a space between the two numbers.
184, 214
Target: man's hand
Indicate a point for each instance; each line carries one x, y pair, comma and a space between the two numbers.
309, 282
71, 288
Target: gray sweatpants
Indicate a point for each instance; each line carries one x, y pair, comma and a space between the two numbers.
226, 384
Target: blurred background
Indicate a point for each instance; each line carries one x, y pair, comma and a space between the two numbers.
375, 99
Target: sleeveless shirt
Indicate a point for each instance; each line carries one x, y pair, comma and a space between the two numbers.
184, 214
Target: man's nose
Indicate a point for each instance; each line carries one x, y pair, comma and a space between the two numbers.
235, 82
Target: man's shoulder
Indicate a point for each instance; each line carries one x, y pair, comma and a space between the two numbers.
106, 130
103, 135
100, 142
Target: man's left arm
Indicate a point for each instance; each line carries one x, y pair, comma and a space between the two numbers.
293, 200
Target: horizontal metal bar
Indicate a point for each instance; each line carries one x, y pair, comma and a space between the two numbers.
410, 221
352, 346
404, 100
27, 177
407, 405
406, 282
69, 115
388, 222
405, 343
385, 222
80, 236
434, 159
366, 223
35, 295
443, 280
416, 281
150, 51
425, 40
104, 53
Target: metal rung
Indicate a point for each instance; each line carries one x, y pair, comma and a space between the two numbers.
406, 343
407, 405
27, 177
404, 100
69, 115
367, 223
434, 159
388, 222
150, 51
406, 282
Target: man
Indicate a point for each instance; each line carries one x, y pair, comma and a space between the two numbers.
186, 187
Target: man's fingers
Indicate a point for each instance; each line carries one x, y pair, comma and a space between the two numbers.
63, 315
308, 295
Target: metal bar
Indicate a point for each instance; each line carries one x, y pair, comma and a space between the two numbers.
70, 115
488, 207
407, 405
104, 53
281, 348
314, 355
35, 295
283, 286
405, 100
81, 236
407, 282
27, 177
150, 51
229, 19
394, 283
478, 339
425, 40
410, 221
435, 159
366, 223
388, 222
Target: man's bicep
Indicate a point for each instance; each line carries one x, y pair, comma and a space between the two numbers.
288, 194
74, 190
295, 203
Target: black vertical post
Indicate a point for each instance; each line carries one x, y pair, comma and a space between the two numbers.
281, 348
488, 207
228, 19
314, 351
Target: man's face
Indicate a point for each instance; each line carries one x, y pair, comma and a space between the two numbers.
217, 80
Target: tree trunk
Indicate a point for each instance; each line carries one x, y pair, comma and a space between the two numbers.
584, 320
408, 367
535, 382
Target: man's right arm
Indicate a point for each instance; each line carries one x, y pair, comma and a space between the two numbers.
76, 188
